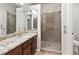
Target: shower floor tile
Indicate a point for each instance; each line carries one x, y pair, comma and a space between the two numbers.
51, 45
47, 52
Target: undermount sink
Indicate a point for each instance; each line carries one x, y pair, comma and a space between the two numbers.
7, 43
10, 41
2, 47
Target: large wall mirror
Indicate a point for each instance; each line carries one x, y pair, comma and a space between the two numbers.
32, 21
11, 23
35, 23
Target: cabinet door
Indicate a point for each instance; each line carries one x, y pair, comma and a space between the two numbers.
34, 46
16, 51
26, 44
27, 51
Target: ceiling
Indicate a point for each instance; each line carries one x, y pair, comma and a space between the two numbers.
15, 4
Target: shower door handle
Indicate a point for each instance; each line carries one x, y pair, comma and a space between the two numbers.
72, 33
65, 29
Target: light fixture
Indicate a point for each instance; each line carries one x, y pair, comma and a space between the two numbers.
20, 4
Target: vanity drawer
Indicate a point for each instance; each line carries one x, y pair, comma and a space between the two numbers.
16, 51
27, 51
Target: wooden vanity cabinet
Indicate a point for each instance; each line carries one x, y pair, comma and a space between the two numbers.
27, 51
30, 46
16, 51
34, 45
27, 48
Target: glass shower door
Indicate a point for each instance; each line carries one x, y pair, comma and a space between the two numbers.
51, 31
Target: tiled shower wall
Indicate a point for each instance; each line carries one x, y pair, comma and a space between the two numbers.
51, 27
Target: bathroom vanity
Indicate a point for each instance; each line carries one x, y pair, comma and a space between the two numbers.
26, 45
27, 48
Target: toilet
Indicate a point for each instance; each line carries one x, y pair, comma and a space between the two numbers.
76, 47
76, 43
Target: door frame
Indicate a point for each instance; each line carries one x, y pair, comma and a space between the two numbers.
66, 28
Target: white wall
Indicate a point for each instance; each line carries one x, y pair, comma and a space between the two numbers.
4, 7
67, 39
75, 19
8, 7
20, 19
50, 7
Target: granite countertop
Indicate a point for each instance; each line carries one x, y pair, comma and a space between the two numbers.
11, 43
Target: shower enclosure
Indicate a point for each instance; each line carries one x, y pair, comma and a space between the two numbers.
51, 30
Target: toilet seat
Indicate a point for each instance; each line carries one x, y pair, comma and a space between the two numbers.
76, 43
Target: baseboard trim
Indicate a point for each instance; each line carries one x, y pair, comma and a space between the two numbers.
51, 51
38, 50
